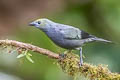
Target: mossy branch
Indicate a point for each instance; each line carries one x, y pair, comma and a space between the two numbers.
68, 62
70, 65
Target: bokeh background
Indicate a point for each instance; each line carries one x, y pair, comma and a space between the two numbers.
98, 17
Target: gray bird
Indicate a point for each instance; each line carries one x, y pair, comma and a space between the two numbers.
65, 36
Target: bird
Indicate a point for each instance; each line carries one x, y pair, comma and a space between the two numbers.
66, 36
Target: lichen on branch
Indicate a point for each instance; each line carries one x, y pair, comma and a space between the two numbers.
70, 65
68, 62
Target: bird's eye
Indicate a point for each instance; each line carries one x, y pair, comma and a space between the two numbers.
39, 22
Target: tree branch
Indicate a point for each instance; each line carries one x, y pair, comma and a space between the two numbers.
69, 62
30, 47
70, 65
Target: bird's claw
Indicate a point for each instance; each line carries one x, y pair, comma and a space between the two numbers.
81, 63
62, 55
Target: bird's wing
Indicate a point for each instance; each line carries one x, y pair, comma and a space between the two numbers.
71, 33
74, 33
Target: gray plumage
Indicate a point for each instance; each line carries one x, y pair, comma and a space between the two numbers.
65, 36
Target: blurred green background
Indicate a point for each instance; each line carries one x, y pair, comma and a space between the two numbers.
98, 17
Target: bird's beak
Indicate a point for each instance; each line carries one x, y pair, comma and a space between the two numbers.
32, 24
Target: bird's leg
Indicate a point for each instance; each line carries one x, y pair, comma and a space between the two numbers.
81, 59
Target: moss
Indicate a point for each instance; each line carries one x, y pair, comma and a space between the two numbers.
70, 65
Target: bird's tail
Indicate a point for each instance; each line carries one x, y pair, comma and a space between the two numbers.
97, 39
102, 40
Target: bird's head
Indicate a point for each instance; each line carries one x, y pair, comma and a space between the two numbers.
41, 23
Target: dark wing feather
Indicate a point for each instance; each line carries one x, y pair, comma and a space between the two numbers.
70, 32
85, 35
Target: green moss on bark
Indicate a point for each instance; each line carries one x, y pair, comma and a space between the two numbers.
70, 65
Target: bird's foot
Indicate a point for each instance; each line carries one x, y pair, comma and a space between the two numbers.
62, 55
81, 63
